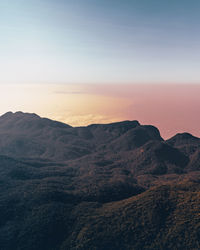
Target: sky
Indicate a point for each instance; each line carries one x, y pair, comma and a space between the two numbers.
171, 108
99, 61
99, 41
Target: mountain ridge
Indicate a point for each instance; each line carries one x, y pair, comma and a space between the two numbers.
125, 123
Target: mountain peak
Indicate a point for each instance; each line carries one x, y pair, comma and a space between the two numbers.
11, 114
185, 135
182, 137
125, 124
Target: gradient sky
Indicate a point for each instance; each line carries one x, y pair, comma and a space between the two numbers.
99, 41
97, 61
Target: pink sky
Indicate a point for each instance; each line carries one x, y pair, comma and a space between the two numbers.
171, 108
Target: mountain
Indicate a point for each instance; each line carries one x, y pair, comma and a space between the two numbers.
27, 135
103, 186
190, 146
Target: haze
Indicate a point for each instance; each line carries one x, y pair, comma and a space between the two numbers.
172, 108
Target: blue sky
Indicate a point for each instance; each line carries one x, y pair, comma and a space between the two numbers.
104, 41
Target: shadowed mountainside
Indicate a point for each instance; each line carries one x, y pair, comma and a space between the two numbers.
28, 135
104, 186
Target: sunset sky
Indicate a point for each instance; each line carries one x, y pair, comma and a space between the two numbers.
88, 61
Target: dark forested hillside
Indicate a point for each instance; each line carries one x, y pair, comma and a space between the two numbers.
104, 186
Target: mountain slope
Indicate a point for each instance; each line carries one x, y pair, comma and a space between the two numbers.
28, 135
165, 217
104, 186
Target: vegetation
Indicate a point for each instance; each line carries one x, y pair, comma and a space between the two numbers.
115, 186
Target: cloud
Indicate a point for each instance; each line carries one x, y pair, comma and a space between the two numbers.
62, 92
85, 119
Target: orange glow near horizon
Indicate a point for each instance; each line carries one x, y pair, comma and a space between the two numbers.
171, 108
